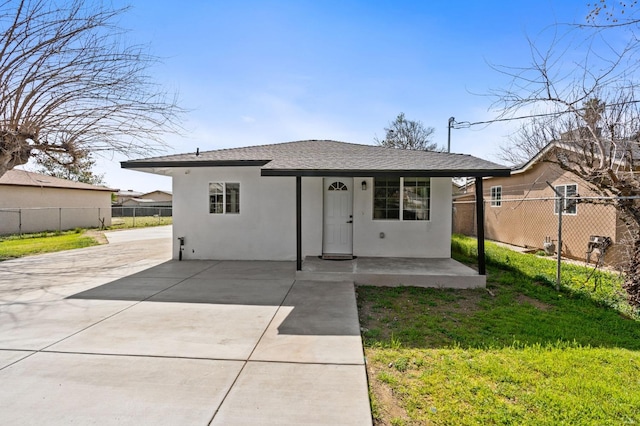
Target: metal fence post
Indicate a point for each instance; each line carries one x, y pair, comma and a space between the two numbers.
134, 218
60, 219
560, 210
20, 222
558, 272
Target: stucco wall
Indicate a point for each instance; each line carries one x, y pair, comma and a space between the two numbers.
35, 209
265, 228
430, 238
525, 220
528, 223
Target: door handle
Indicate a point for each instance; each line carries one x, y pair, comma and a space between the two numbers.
350, 221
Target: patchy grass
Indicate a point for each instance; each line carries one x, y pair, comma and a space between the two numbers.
44, 242
519, 354
603, 287
139, 222
14, 246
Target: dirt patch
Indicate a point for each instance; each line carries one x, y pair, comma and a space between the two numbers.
414, 317
387, 403
97, 235
382, 310
522, 299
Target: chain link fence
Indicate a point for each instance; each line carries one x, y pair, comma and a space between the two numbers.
18, 221
592, 229
144, 211
39, 219
131, 217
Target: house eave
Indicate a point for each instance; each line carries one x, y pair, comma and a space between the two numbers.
137, 165
379, 173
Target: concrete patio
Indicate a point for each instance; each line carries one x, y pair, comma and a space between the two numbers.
120, 334
392, 272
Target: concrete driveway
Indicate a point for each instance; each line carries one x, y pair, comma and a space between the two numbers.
120, 334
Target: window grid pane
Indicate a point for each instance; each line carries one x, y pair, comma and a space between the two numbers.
570, 206
386, 198
216, 198
416, 199
232, 194
496, 196
224, 198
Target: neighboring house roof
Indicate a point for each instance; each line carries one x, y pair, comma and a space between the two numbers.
24, 178
146, 202
159, 191
329, 158
129, 193
622, 147
141, 200
521, 168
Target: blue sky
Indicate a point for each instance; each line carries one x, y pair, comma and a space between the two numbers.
259, 72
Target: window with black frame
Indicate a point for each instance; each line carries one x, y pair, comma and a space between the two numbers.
386, 198
412, 196
416, 198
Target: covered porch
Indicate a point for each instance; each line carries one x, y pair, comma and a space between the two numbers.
392, 272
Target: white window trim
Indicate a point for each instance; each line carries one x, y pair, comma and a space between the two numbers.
564, 191
401, 216
495, 202
224, 198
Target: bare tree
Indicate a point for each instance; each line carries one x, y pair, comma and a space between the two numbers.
77, 167
69, 85
589, 107
408, 134
614, 13
528, 141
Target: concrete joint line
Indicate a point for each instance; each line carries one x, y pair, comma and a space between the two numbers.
251, 354
142, 356
18, 360
110, 316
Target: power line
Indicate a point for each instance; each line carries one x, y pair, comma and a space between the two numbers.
466, 124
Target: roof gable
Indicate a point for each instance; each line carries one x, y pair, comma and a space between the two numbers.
570, 146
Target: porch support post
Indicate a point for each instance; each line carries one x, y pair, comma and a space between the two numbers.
298, 223
482, 269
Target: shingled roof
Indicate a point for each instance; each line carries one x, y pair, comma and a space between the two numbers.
329, 158
17, 177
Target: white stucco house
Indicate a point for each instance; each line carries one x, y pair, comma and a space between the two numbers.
291, 200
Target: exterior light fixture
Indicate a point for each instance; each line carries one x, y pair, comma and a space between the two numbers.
364, 185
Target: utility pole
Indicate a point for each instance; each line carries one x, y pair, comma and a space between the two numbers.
450, 125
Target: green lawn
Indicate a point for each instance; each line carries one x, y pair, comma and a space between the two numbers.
139, 222
520, 353
15, 246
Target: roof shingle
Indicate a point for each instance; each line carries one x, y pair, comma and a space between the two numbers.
325, 155
24, 178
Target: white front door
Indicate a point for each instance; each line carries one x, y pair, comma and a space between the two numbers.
338, 216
